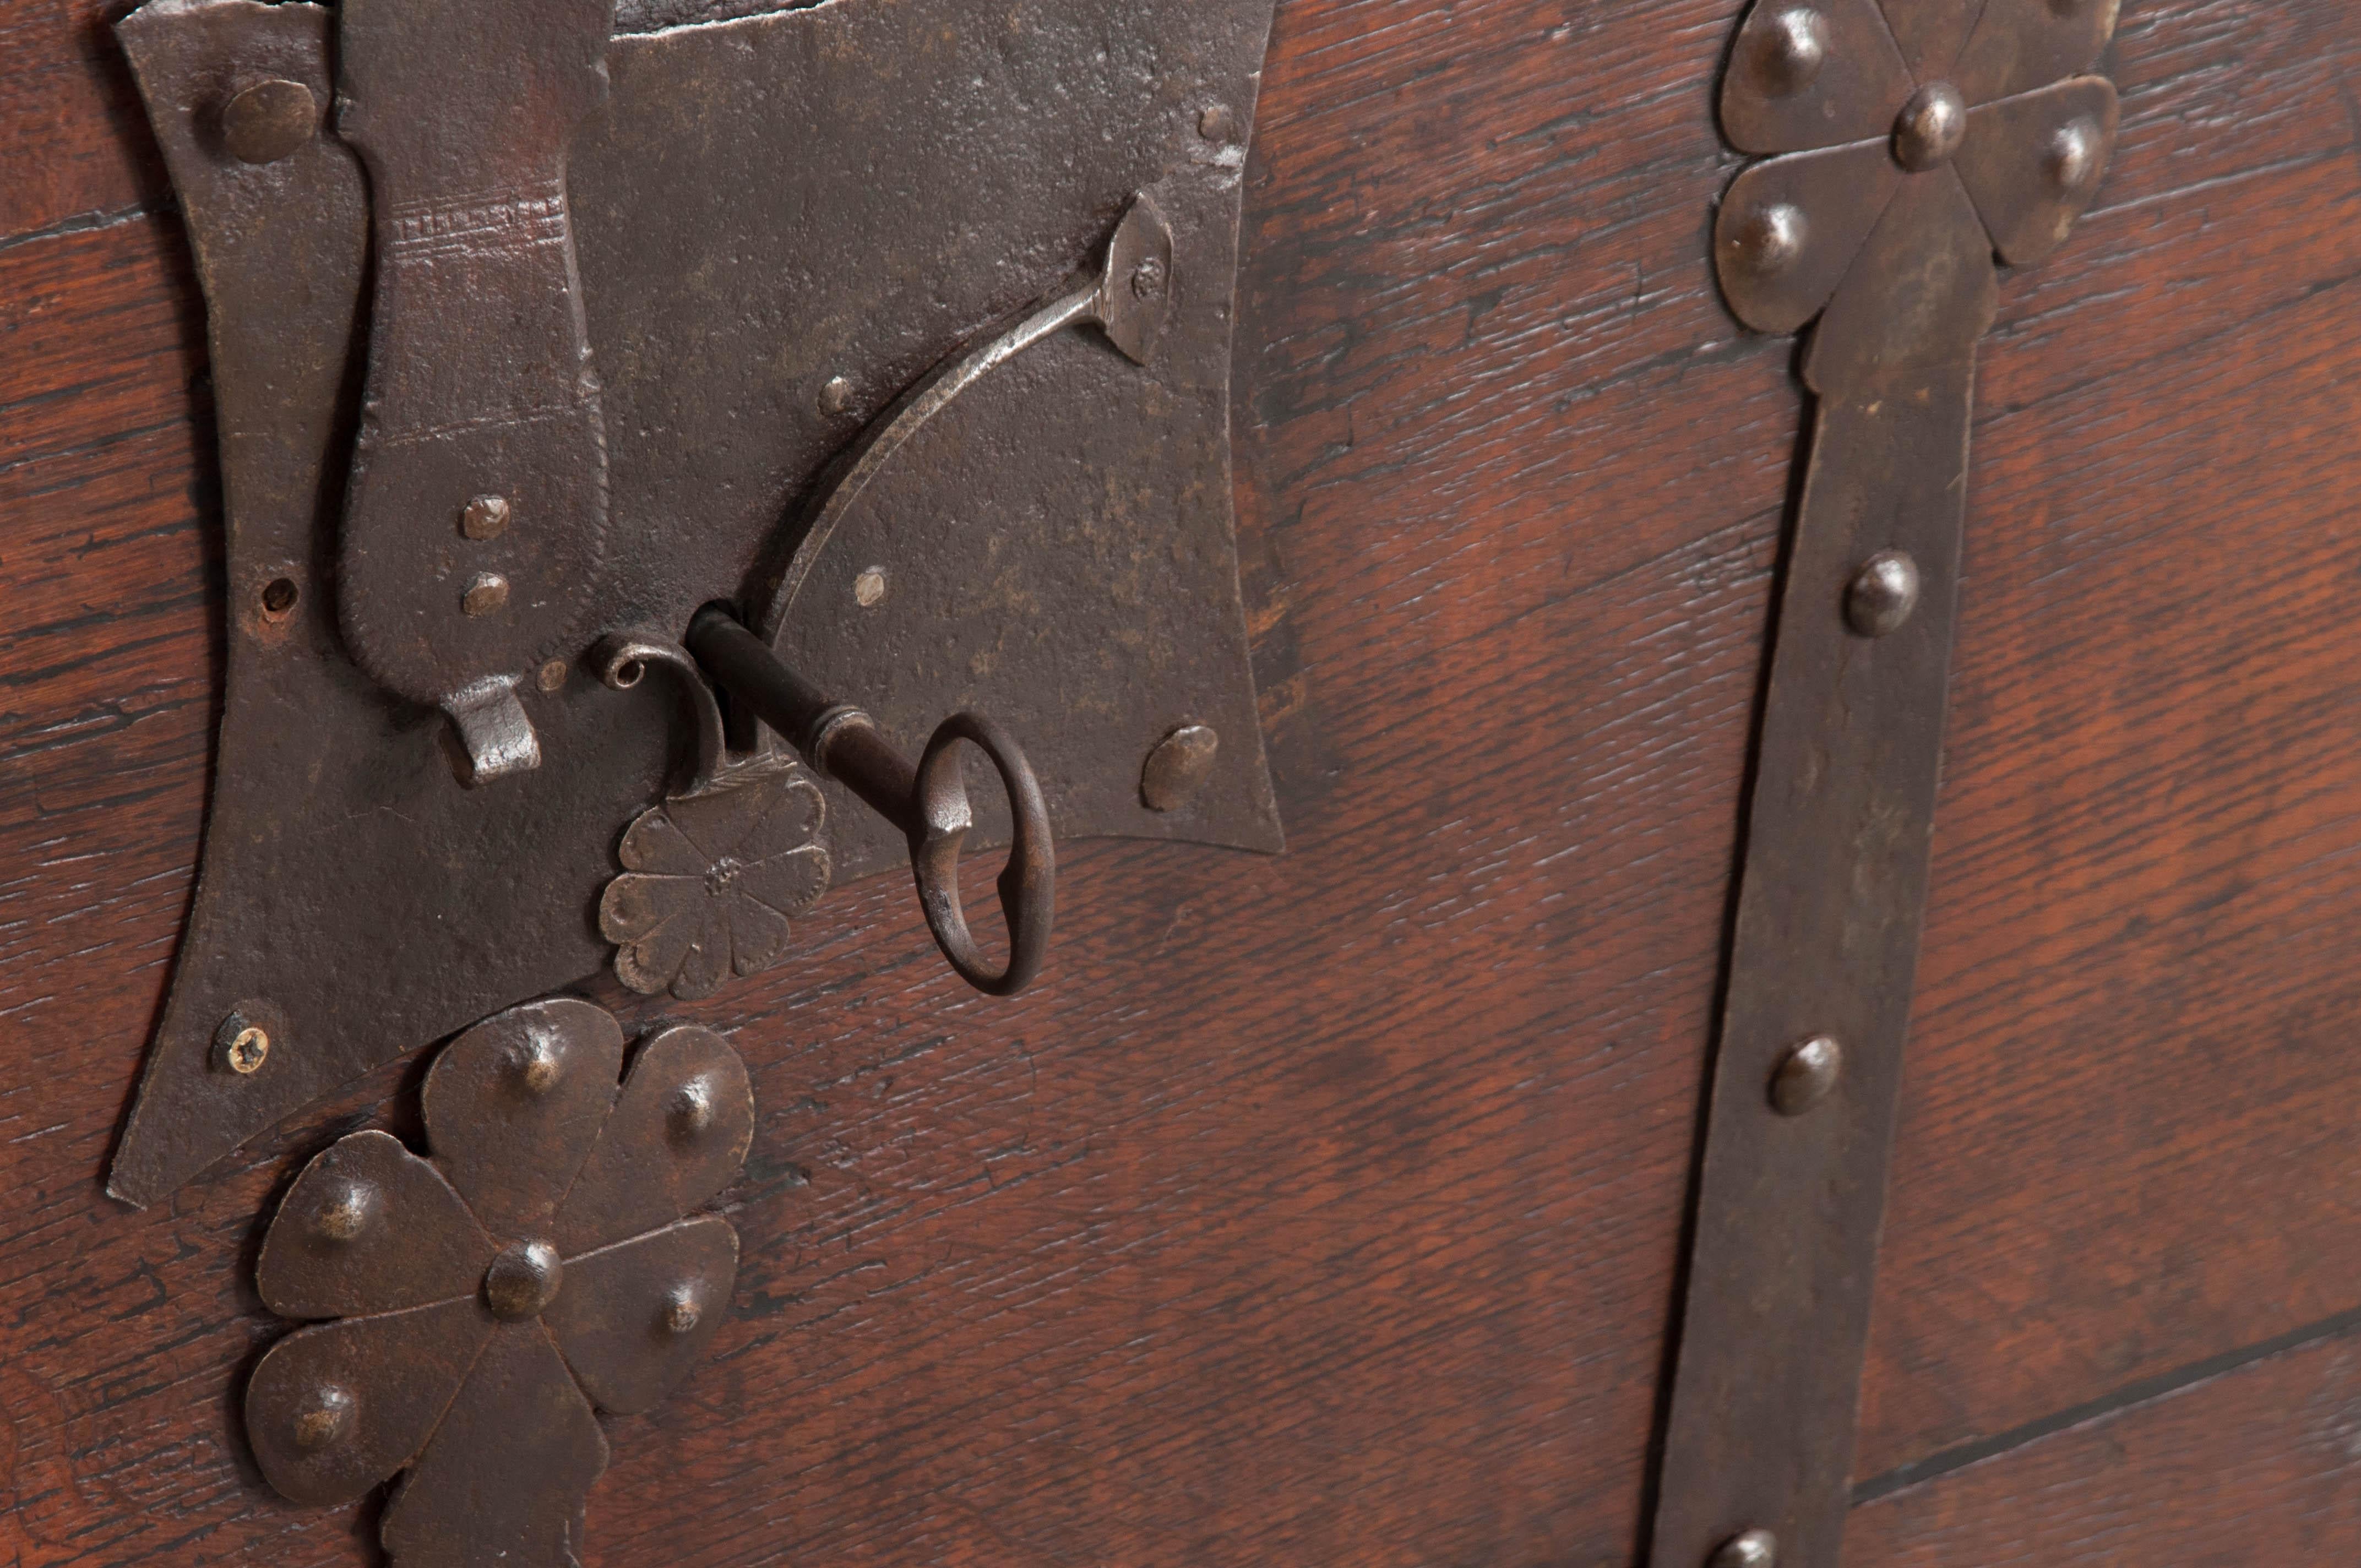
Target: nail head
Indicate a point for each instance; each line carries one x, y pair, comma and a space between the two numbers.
1805, 1075
487, 593
1883, 593
1178, 767
268, 121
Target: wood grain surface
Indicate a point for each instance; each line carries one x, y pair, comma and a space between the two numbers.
1326, 1208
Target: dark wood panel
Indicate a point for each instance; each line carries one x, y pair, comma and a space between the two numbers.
2257, 1465
1321, 1206
78, 150
2134, 1023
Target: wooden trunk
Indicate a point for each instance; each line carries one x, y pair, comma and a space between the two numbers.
1329, 1208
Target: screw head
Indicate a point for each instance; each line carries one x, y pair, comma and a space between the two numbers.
836, 397
522, 1280
488, 591
324, 1415
1217, 123
1805, 1075
1930, 127
1754, 1549
2072, 158
869, 588
1883, 593
268, 121
681, 1311
1771, 239
1789, 50
243, 1047
345, 1210
486, 516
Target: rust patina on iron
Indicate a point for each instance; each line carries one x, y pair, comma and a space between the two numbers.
1915, 143
543, 1259
782, 226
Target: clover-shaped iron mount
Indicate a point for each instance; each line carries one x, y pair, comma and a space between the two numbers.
711, 878
1916, 140
485, 1298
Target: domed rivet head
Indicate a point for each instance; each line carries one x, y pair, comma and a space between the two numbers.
345, 1210
533, 1064
1883, 593
1930, 128
488, 592
1217, 123
2073, 160
1805, 1075
691, 1112
486, 516
268, 121
1788, 52
1769, 240
681, 1311
324, 1415
836, 397
1178, 767
1754, 1549
522, 1280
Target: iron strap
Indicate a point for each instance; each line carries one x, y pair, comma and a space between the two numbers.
1793, 1184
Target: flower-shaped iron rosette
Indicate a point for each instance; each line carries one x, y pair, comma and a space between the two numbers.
711, 878
1916, 139
486, 1298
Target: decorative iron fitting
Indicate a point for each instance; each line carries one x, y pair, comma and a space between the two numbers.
545, 1258
1913, 144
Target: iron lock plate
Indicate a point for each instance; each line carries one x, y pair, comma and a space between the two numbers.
782, 226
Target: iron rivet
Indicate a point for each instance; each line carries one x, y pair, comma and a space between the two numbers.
325, 1415
691, 1112
486, 593
522, 1280
1771, 239
1217, 124
536, 1064
1930, 128
486, 516
1178, 767
1790, 50
242, 1047
268, 121
1883, 593
1754, 1549
346, 1210
553, 676
681, 1313
1805, 1075
869, 588
836, 397
1147, 281
2073, 159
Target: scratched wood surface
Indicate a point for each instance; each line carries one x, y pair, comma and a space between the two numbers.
1326, 1209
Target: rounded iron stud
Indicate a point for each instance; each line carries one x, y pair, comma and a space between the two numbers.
268, 121
1771, 239
522, 1280
692, 1110
869, 588
487, 593
345, 1210
325, 1415
1754, 1549
1883, 593
681, 1313
1217, 124
2072, 162
535, 1064
1930, 128
836, 397
486, 516
1805, 1075
1789, 51
1178, 767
